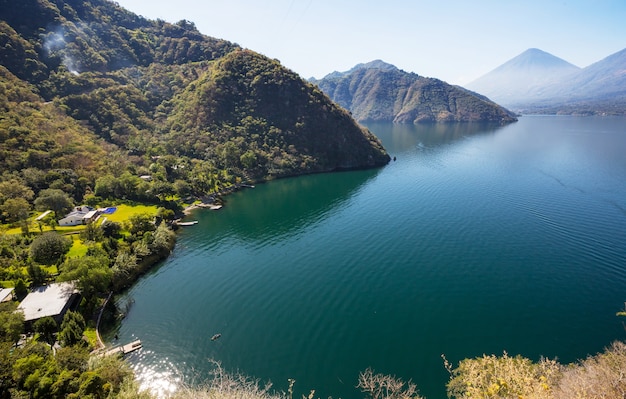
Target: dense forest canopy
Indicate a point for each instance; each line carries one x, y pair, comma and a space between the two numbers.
93, 92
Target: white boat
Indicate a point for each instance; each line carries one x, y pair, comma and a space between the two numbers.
187, 223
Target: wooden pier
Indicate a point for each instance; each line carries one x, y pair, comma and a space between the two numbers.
124, 349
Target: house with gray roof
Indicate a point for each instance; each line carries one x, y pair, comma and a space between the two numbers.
52, 300
80, 215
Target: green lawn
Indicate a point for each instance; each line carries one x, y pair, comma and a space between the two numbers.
77, 249
124, 212
90, 334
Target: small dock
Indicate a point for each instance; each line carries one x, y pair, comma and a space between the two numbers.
124, 349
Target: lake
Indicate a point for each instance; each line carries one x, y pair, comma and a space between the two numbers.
476, 240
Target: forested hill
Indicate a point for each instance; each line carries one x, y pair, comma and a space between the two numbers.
377, 91
88, 81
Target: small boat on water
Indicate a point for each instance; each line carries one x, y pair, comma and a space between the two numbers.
215, 337
187, 223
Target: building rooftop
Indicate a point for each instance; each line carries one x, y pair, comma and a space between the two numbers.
48, 300
5, 294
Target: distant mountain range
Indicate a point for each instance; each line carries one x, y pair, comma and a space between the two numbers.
539, 82
377, 91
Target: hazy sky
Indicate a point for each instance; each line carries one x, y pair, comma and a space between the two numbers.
453, 40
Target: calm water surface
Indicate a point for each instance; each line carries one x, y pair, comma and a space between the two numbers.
476, 240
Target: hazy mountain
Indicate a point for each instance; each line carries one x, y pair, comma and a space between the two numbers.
537, 82
602, 79
523, 78
377, 91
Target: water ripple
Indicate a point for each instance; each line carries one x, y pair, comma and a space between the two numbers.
510, 240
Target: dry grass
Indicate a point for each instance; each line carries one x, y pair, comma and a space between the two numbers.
382, 386
226, 386
602, 376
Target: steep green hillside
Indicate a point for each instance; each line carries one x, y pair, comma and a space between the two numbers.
43, 146
109, 95
381, 92
248, 112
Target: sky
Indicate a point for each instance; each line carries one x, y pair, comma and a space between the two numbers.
456, 41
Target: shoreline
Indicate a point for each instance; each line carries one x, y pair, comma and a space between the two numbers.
202, 205
214, 201
211, 202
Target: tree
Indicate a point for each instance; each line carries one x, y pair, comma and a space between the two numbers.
56, 200
162, 189
128, 184
36, 273
113, 369
111, 229
162, 239
165, 214
46, 327
6, 368
125, 263
248, 159
66, 382
72, 329
49, 248
91, 273
26, 369
72, 358
91, 233
11, 325
107, 186
15, 189
182, 188
15, 209
92, 385
138, 224
21, 290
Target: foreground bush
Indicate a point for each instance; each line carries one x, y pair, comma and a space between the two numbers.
503, 377
602, 376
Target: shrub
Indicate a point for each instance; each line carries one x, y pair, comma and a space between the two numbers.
49, 248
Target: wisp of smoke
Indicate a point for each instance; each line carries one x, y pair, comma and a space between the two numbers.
54, 41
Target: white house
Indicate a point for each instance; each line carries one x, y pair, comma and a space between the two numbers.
80, 215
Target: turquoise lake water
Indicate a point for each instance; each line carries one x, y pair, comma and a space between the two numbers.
475, 240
